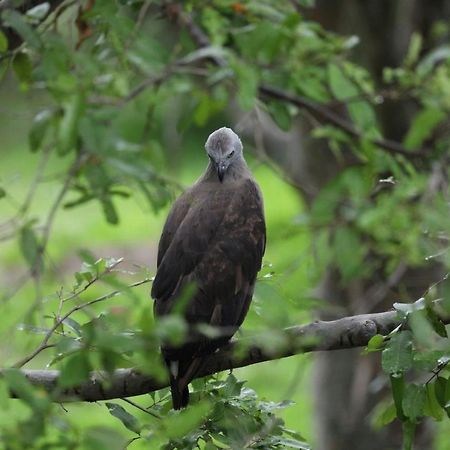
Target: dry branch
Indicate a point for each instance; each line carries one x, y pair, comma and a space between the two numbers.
348, 332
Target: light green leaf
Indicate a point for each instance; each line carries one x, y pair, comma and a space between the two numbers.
415, 45
422, 127
349, 252
101, 437
375, 343
247, 80
38, 12
344, 89
75, 370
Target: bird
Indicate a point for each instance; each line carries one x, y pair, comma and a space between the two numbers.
214, 239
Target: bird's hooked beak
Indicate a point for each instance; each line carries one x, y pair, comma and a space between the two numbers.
221, 168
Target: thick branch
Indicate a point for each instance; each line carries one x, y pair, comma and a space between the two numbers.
347, 332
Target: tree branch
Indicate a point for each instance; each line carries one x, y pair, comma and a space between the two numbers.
348, 332
318, 110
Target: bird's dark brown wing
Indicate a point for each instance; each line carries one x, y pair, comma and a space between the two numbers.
216, 242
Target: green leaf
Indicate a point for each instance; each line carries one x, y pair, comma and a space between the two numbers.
3, 42
422, 127
68, 126
247, 80
415, 45
73, 324
29, 246
398, 387
432, 407
129, 421
181, 423
280, 113
23, 389
407, 308
39, 127
101, 437
110, 211
344, 89
38, 12
349, 252
2, 193
375, 343
16, 21
414, 399
23, 68
409, 429
397, 357
75, 370
292, 443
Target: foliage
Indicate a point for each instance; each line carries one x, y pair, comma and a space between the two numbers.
117, 78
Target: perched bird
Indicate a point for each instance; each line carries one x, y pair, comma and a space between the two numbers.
214, 239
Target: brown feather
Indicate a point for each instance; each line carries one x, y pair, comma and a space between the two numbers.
214, 237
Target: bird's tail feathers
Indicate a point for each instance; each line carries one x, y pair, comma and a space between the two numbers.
180, 393
181, 374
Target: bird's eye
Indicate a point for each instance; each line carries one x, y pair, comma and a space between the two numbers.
230, 154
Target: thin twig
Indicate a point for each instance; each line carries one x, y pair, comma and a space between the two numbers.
44, 344
318, 110
147, 411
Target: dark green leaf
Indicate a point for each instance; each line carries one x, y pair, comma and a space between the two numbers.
398, 388
68, 126
110, 211
436, 322
2, 192
409, 429
432, 407
16, 21
22, 67
280, 113
39, 127
129, 421
3, 42
414, 398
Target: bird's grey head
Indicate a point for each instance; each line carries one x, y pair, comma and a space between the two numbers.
224, 148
